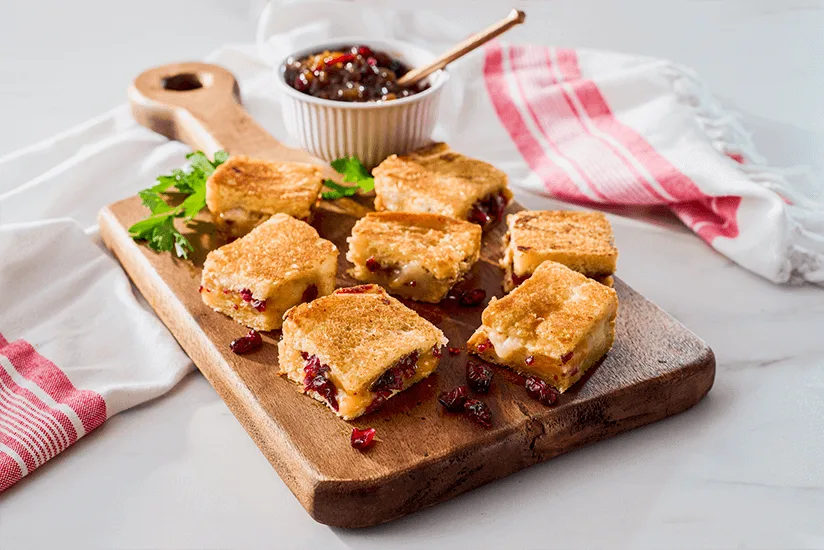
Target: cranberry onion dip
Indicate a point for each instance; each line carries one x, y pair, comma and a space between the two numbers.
353, 73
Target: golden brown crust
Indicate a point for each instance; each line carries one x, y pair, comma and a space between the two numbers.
436, 179
358, 334
445, 247
582, 241
256, 189
561, 319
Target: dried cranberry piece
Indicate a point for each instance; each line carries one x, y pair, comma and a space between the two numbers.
247, 343
540, 390
246, 294
479, 412
313, 368
483, 346
259, 305
454, 351
478, 216
310, 293
362, 439
517, 280
478, 376
378, 401
200, 288
473, 298
437, 351
529, 360
325, 388
372, 264
365, 51
300, 83
408, 365
392, 379
566, 357
454, 399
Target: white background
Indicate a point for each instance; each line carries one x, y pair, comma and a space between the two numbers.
743, 468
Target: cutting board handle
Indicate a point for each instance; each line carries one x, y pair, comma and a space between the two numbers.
199, 104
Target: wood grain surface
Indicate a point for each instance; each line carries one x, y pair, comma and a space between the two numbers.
657, 368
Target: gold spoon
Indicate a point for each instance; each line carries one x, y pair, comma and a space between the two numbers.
414, 76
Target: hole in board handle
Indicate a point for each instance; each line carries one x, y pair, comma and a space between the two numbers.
185, 82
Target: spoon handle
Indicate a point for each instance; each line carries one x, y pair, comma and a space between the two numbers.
515, 17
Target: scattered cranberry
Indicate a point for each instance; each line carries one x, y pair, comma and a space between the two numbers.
378, 401
483, 346
310, 293
478, 376
478, 412
529, 360
454, 351
362, 439
436, 351
372, 264
259, 305
246, 294
454, 399
200, 289
360, 289
473, 298
540, 390
247, 343
566, 357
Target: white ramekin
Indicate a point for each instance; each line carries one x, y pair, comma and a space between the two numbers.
371, 131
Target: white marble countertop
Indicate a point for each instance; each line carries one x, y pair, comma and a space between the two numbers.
744, 468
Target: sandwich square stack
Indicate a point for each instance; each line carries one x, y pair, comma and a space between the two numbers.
411, 254
555, 326
438, 180
356, 348
582, 241
281, 263
244, 192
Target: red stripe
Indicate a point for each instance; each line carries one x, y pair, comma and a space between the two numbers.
89, 406
3, 340
42, 435
555, 180
547, 105
10, 472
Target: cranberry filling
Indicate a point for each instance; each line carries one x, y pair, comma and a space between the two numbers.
259, 305
360, 289
246, 294
362, 439
483, 346
378, 401
488, 210
315, 379
393, 378
518, 279
437, 351
372, 264
541, 391
310, 293
529, 360
454, 399
247, 343
566, 357
478, 376
478, 411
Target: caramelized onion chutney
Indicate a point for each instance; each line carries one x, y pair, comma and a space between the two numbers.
356, 74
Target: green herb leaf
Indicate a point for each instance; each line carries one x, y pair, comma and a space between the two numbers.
353, 171
158, 230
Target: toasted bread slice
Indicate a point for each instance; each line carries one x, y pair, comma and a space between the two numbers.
255, 279
412, 254
363, 344
582, 241
244, 192
438, 180
556, 325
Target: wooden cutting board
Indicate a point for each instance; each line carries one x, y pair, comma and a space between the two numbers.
657, 368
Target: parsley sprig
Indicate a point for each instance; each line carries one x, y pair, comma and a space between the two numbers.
353, 172
158, 229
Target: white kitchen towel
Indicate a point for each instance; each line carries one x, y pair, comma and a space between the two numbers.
77, 345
